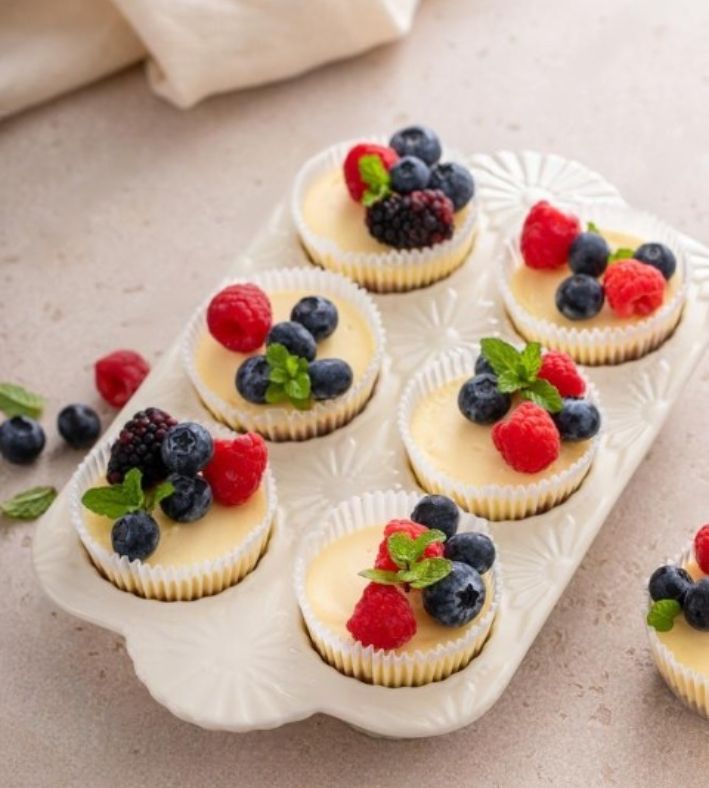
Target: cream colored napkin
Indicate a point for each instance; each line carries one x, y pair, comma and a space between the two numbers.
194, 47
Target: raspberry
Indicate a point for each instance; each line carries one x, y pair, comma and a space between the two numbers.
234, 472
547, 235
355, 185
382, 618
559, 369
633, 288
119, 374
411, 221
239, 317
139, 445
411, 529
701, 548
528, 440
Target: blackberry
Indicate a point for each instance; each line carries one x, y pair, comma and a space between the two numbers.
139, 446
412, 221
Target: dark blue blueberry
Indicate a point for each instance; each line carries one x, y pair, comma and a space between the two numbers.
296, 339
669, 582
409, 174
483, 366
658, 256
589, 254
580, 297
481, 402
79, 425
329, 377
471, 548
437, 511
21, 440
187, 448
191, 499
578, 420
455, 181
458, 598
696, 605
418, 141
317, 314
252, 379
135, 535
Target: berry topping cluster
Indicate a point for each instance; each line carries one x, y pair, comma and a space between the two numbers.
673, 591
179, 466
632, 281
410, 196
425, 555
552, 410
240, 318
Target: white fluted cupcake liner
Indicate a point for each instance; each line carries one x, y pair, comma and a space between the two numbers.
383, 272
605, 345
492, 501
278, 423
378, 666
169, 583
690, 686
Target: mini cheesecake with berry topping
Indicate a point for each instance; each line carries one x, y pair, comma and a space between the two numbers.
398, 590
391, 217
170, 511
506, 433
678, 623
291, 354
606, 284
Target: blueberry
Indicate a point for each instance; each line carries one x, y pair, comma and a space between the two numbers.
696, 605
21, 440
317, 314
252, 379
589, 254
455, 181
418, 141
578, 420
187, 448
329, 377
458, 598
658, 256
669, 582
409, 174
191, 499
481, 402
78, 425
483, 366
437, 511
580, 297
471, 548
296, 339
135, 535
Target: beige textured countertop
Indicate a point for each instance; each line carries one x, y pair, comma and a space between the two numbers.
109, 197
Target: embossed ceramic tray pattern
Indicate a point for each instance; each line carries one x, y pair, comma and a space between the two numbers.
241, 660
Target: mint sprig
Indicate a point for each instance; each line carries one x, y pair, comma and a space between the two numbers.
517, 371
662, 614
289, 378
623, 253
591, 227
117, 500
373, 172
17, 401
29, 504
414, 570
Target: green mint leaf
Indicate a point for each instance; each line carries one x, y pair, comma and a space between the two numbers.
531, 358
542, 393
662, 614
427, 572
508, 382
133, 487
297, 389
278, 375
303, 367
157, 494
275, 395
115, 500
401, 549
292, 365
302, 404
375, 175
381, 576
428, 537
17, 401
30, 504
621, 254
277, 355
593, 228
502, 356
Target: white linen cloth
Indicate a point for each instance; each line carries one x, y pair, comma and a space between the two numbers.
194, 48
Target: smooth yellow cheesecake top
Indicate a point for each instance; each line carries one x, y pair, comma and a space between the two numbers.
535, 290
219, 532
353, 341
333, 587
464, 451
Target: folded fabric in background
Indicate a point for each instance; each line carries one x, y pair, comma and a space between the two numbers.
194, 48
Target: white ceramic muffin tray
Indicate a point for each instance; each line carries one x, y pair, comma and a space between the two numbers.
241, 660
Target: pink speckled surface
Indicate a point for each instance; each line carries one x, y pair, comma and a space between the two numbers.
109, 197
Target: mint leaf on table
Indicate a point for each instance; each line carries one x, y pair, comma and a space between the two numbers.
621, 254
115, 500
373, 172
544, 394
30, 504
17, 401
288, 377
662, 614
